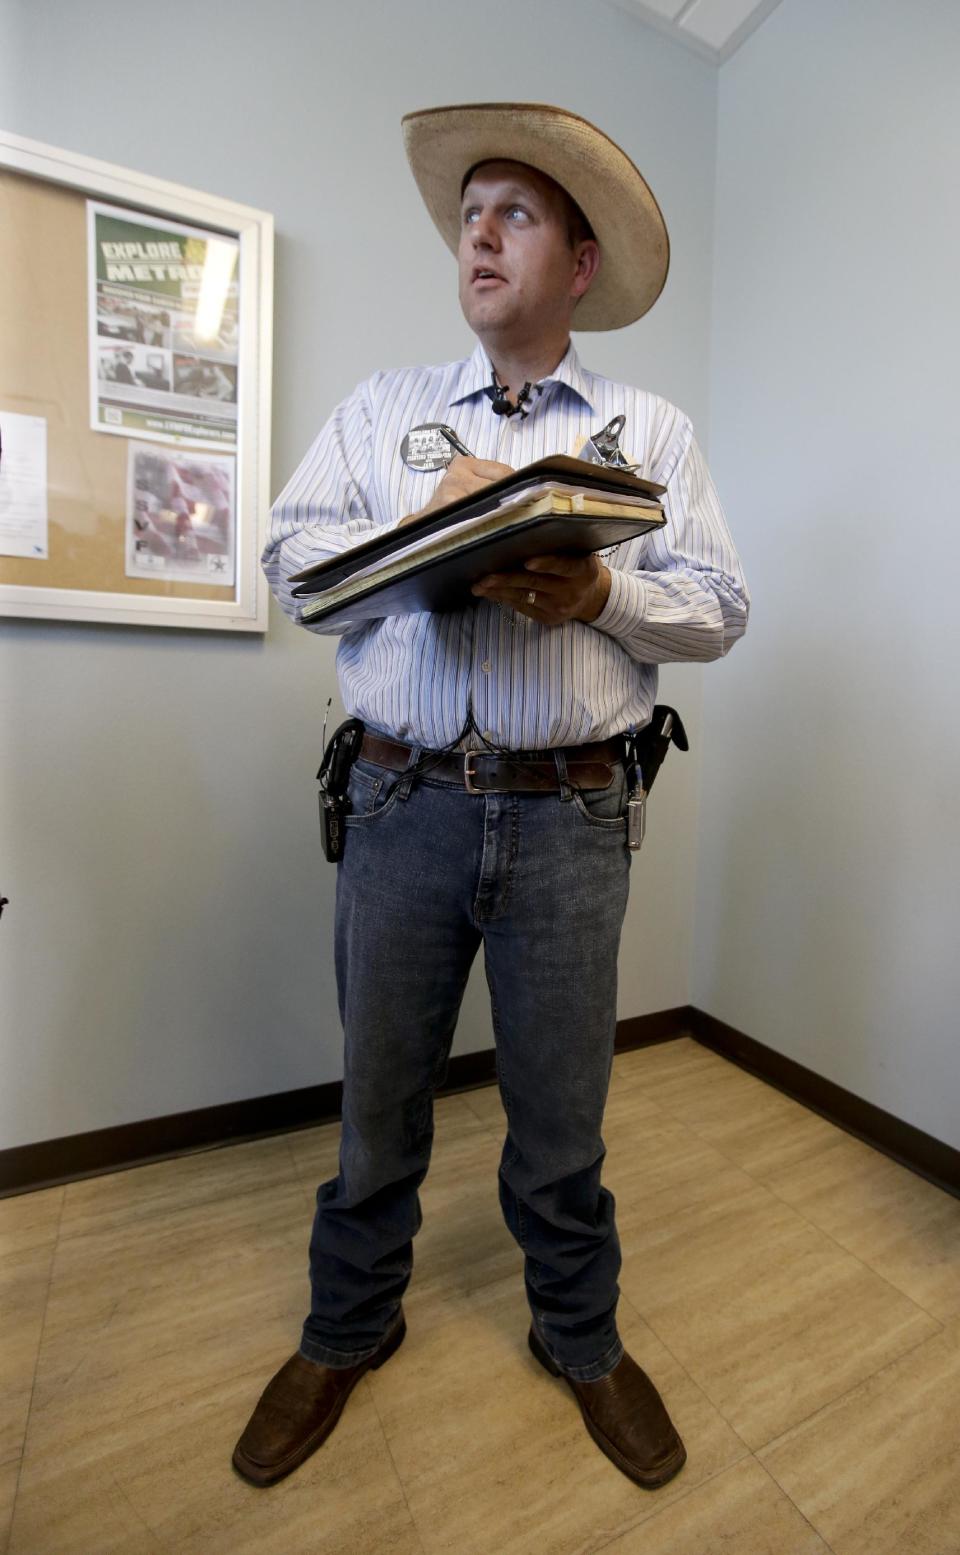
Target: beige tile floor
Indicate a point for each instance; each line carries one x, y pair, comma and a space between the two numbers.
794, 1294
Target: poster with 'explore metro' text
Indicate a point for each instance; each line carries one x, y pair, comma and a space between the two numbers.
164, 328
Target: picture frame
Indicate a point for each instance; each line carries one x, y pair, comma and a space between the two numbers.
136, 338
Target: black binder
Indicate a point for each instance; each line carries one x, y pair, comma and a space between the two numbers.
541, 520
558, 467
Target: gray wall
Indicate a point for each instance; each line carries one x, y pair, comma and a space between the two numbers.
828, 916
167, 945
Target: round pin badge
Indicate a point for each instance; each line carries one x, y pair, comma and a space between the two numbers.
426, 447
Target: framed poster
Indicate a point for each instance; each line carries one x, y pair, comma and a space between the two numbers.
135, 371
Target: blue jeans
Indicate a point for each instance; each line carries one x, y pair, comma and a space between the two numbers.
429, 872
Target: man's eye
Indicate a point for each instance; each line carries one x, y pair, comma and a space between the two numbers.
469, 216
517, 210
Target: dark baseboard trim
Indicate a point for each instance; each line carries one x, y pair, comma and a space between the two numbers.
931, 1158
54, 1161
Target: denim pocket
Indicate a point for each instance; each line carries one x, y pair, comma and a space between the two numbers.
370, 791
605, 806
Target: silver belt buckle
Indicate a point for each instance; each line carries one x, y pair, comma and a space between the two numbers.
469, 773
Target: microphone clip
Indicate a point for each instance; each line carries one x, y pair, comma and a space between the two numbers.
497, 393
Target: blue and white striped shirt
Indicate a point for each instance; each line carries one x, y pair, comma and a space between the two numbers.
678, 594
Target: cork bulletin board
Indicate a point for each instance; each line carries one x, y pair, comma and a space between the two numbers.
134, 478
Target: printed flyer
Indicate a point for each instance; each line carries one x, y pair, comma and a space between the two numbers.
181, 515
23, 486
164, 336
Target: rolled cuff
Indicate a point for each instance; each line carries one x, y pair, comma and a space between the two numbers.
626, 604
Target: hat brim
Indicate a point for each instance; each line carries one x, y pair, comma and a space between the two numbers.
442, 143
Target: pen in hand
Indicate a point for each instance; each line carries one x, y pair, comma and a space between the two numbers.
455, 442
460, 480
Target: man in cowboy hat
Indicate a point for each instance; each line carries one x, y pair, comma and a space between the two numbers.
488, 801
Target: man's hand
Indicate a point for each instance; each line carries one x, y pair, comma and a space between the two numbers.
463, 477
567, 588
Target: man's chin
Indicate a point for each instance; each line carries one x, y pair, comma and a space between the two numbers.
491, 314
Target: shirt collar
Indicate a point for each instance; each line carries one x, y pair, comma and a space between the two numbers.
476, 375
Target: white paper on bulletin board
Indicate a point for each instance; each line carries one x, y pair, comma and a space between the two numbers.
23, 485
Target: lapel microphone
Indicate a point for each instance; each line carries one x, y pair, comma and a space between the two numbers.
501, 406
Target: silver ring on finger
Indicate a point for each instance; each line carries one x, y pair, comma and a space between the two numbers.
532, 597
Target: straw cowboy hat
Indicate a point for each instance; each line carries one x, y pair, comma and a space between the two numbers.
442, 143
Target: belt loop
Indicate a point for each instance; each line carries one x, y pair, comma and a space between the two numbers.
566, 792
406, 782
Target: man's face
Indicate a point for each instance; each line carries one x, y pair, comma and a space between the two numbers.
519, 276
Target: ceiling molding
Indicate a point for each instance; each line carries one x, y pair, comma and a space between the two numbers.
676, 19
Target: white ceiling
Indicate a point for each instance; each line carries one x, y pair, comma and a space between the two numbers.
712, 28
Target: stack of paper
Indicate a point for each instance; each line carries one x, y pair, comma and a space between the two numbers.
558, 505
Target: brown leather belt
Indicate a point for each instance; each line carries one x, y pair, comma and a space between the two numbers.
500, 772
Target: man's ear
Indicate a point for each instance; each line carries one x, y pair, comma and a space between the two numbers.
588, 263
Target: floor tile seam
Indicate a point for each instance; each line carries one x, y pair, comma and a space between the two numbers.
101, 1326
48, 1240
832, 1404
637, 1078
290, 1156
795, 1425
698, 1058
473, 1132
141, 1216
496, 1131
5, 1537
692, 1129
496, 1279
141, 1316
488, 1129
493, 1087
309, 1185
636, 1074
726, 1065
478, 1121
842, 1133
688, 1374
172, 1157
159, 1543
371, 1391
458, 1294
493, 1132
806, 1219
33, 1380
839, 1129
784, 1492
864, 1262
654, 1510
14, 1244
185, 1396
161, 1288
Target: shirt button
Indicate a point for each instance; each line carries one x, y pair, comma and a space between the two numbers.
486, 666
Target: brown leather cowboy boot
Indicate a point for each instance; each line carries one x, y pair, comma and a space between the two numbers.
627, 1419
299, 1408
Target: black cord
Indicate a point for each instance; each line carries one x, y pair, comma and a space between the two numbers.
497, 393
515, 758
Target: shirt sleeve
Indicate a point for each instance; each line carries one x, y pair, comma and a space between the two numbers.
325, 507
681, 595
